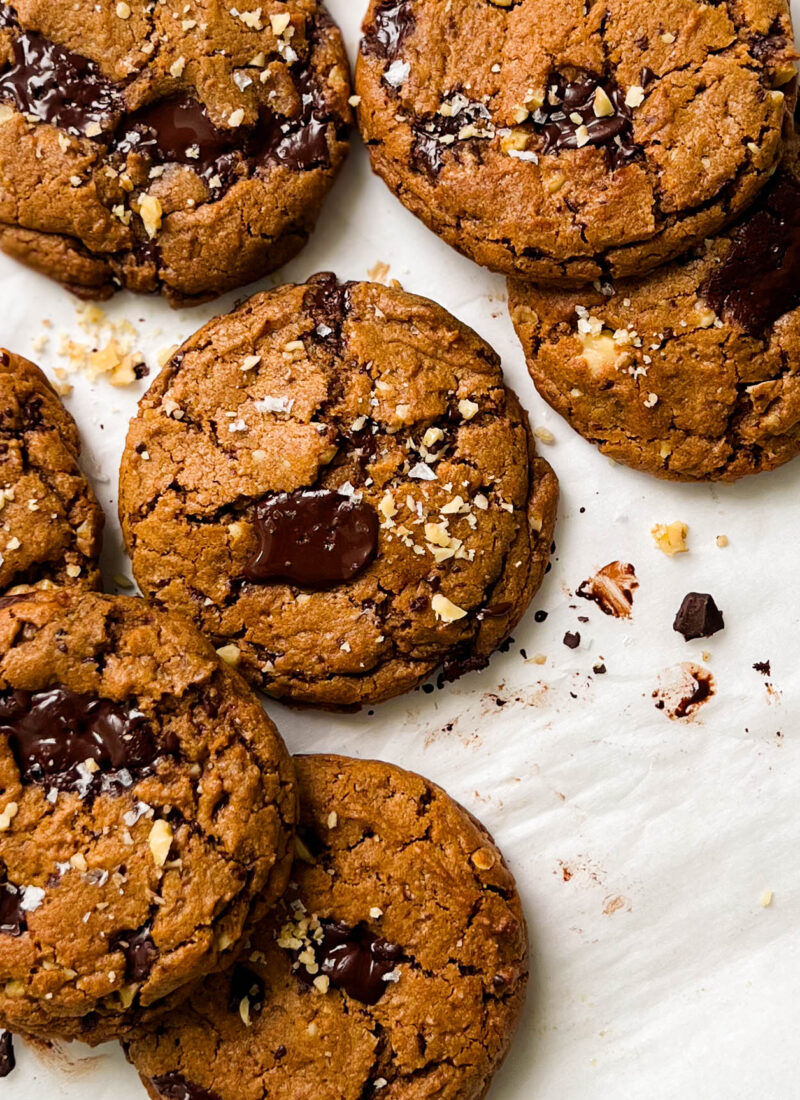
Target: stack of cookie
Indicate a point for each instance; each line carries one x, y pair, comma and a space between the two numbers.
633, 170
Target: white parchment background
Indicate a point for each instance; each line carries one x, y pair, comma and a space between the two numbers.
642, 846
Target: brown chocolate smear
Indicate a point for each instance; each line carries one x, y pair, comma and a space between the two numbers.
313, 538
758, 281
354, 960
569, 106
698, 616
53, 733
428, 149
139, 950
7, 1058
612, 588
12, 915
683, 697
173, 1086
393, 22
59, 87
245, 984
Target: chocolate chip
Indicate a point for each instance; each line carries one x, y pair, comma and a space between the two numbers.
7, 1057
758, 280
392, 23
314, 538
540, 616
763, 667
569, 106
59, 87
599, 670
173, 1086
12, 915
698, 616
327, 301
428, 148
139, 950
354, 960
572, 641
245, 983
53, 733
458, 663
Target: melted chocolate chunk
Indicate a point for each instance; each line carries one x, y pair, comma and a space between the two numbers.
245, 983
328, 302
698, 616
9, 601
53, 733
355, 960
299, 143
394, 21
59, 87
758, 281
313, 538
7, 1058
139, 950
567, 120
179, 131
173, 1086
458, 663
428, 149
12, 915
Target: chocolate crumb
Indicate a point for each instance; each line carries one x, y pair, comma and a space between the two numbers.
572, 640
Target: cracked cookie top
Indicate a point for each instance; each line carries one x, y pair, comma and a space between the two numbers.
689, 372
395, 966
50, 521
563, 144
166, 146
334, 482
147, 807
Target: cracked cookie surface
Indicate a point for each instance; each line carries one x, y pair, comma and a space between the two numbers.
50, 522
147, 807
395, 966
334, 482
693, 371
563, 143
166, 147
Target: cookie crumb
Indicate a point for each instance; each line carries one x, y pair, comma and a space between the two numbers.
722, 541
670, 538
766, 899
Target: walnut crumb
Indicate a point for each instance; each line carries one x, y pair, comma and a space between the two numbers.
670, 538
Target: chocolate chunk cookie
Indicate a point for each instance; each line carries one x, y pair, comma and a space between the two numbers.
691, 372
50, 521
564, 143
395, 966
166, 147
146, 813
334, 482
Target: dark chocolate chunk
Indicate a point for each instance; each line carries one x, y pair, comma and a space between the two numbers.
354, 960
314, 538
173, 1086
245, 983
12, 915
328, 302
458, 663
139, 950
572, 641
758, 280
53, 733
428, 149
698, 616
392, 24
7, 1058
569, 107
300, 143
59, 87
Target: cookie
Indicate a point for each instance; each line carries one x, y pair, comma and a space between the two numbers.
395, 967
50, 522
565, 143
147, 808
334, 482
166, 148
693, 371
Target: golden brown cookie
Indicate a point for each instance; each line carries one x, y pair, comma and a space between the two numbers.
147, 807
166, 147
693, 371
564, 142
334, 482
50, 522
395, 967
